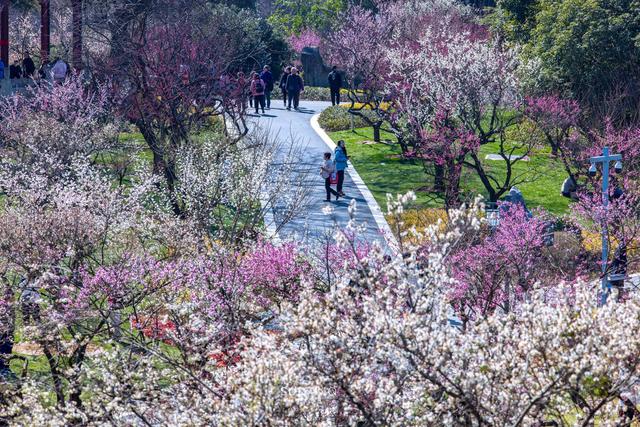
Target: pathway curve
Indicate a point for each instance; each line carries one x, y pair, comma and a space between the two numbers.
312, 224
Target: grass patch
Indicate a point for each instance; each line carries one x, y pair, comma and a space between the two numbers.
382, 169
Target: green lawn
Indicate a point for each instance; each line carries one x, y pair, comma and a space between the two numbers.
384, 172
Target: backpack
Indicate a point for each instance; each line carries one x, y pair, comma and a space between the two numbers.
259, 87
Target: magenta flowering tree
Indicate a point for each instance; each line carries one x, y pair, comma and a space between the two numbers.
443, 148
555, 117
619, 218
201, 307
499, 270
306, 38
171, 75
460, 70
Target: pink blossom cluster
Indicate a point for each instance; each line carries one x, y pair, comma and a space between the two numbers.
500, 269
306, 38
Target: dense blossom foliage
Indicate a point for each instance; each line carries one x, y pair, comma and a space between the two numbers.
147, 293
375, 347
307, 38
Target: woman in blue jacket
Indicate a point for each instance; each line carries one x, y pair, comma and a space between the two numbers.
341, 159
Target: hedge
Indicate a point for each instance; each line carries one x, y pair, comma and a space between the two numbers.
337, 118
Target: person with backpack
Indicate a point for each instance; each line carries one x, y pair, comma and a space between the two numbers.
341, 158
257, 92
295, 85
326, 170
283, 84
267, 78
335, 84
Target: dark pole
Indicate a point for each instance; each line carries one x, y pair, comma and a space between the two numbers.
77, 34
4, 34
45, 31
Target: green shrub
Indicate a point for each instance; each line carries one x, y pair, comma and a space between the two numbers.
336, 118
310, 94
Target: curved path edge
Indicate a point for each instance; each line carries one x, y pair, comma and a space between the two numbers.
376, 211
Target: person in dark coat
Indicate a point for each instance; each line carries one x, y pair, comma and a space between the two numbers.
267, 78
295, 85
28, 66
335, 84
15, 71
283, 84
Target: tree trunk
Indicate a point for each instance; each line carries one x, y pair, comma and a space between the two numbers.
161, 167
76, 6
452, 193
170, 177
438, 182
376, 132
55, 375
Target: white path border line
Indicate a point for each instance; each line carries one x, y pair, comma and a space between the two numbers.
378, 216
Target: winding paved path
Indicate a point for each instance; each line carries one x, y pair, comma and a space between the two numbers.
311, 224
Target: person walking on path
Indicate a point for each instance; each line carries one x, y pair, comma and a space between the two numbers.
335, 84
267, 78
241, 83
341, 158
326, 170
251, 77
283, 84
295, 85
28, 66
257, 92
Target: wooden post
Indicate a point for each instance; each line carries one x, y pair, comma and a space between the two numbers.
45, 31
4, 35
76, 60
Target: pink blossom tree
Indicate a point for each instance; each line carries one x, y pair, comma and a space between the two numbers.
501, 268
475, 80
48, 127
172, 75
359, 48
443, 148
555, 117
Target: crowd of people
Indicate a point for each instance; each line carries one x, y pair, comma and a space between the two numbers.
54, 71
257, 89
